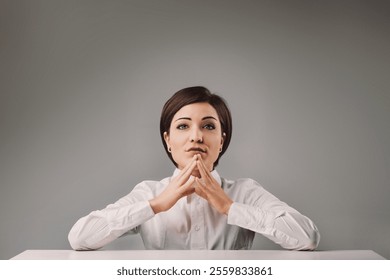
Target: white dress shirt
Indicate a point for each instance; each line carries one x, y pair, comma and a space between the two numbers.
192, 223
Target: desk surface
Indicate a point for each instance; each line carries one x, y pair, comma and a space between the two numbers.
197, 255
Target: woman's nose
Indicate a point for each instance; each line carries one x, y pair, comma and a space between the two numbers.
196, 136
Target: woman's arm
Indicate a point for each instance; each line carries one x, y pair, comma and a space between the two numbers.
263, 213
103, 226
250, 206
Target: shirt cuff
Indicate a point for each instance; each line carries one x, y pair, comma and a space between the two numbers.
237, 216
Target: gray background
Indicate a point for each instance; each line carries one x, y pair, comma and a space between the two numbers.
83, 82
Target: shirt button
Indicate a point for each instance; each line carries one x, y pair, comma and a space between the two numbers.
197, 228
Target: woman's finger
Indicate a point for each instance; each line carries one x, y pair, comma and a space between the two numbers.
200, 188
186, 175
188, 187
186, 172
205, 174
208, 172
187, 166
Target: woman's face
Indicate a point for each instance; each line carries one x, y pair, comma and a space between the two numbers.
195, 129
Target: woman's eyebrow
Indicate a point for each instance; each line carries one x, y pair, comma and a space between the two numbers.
209, 117
189, 119
183, 118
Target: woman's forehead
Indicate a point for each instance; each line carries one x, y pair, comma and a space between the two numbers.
196, 110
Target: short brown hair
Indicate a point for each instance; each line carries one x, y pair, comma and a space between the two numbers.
192, 95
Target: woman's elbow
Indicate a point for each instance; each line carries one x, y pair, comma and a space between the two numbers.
311, 242
77, 242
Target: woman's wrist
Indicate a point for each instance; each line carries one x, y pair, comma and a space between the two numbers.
227, 207
155, 205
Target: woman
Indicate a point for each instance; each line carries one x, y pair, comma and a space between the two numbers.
196, 208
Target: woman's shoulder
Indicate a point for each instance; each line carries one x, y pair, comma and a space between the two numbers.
151, 185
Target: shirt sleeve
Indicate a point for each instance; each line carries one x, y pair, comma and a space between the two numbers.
262, 212
103, 226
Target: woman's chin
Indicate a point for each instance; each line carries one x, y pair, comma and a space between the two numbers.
196, 173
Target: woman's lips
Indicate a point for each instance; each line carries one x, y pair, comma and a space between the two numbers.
196, 149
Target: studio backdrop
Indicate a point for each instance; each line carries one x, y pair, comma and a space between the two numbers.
82, 85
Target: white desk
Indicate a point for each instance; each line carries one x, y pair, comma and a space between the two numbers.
197, 255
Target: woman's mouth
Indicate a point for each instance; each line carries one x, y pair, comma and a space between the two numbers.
196, 149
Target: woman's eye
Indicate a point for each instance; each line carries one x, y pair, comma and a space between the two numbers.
209, 126
182, 126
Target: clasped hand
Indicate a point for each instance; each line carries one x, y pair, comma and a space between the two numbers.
185, 184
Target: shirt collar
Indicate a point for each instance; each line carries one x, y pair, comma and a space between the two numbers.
214, 173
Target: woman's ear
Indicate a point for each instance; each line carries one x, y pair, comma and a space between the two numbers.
166, 138
223, 139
